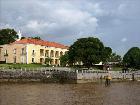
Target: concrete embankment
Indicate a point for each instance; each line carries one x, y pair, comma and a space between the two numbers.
99, 76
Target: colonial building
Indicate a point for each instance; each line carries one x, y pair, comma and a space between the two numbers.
32, 51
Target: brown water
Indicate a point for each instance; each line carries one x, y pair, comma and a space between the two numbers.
124, 93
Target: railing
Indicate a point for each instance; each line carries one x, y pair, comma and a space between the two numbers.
46, 55
83, 74
41, 54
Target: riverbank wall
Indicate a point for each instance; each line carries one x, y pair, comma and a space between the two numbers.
117, 76
46, 76
62, 76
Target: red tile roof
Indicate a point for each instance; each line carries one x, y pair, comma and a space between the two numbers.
40, 42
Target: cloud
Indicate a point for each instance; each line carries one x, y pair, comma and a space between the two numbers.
66, 20
51, 17
33, 24
124, 39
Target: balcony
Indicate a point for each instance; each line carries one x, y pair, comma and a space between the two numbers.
47, 53
52, 53
61, 53
41, 52
57, 54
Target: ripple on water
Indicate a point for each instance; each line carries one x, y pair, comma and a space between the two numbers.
123, 93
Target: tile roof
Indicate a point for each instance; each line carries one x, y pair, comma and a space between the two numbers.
40, 42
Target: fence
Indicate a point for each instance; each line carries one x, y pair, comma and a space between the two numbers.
92, 75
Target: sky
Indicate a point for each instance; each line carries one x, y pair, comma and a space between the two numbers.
115, 22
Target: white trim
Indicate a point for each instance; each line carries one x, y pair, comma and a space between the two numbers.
22, 59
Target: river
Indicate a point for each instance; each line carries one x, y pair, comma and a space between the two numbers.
120, 93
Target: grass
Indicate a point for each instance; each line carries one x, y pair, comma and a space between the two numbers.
36, 66
19, 66
116, 69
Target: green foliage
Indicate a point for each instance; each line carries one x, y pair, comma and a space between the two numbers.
64, 60
115, 58
36, 37
23, 37
106, 54
7, 36
19, 66
132, 57
88, 50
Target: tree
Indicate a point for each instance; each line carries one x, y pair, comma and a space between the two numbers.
89, 51
23, 37
7, 36
115, 58
36, 37
64, 60
132, 58
106, 54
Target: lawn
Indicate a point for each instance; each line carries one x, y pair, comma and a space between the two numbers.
37, 66
19, 66
116, 69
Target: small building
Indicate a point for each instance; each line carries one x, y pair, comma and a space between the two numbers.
31, 50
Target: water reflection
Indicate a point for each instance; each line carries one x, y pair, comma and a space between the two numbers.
124, 93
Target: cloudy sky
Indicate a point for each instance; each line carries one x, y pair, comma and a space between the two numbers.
115, 22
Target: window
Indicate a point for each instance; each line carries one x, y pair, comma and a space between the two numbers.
22, 51
33, 60
5, 60
5, 52
15, 59
22, 59
33, 52
14, 51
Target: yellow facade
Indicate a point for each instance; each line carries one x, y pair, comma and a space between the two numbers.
30, 53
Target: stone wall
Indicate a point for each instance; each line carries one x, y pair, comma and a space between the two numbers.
57, 75
38, 75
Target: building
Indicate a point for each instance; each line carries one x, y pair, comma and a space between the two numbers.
32, 51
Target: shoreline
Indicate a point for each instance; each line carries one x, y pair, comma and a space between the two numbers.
62, 82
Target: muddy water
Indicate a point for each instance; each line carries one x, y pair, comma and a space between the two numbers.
124, 93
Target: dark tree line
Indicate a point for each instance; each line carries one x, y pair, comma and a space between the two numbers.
89, 51
132, 58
